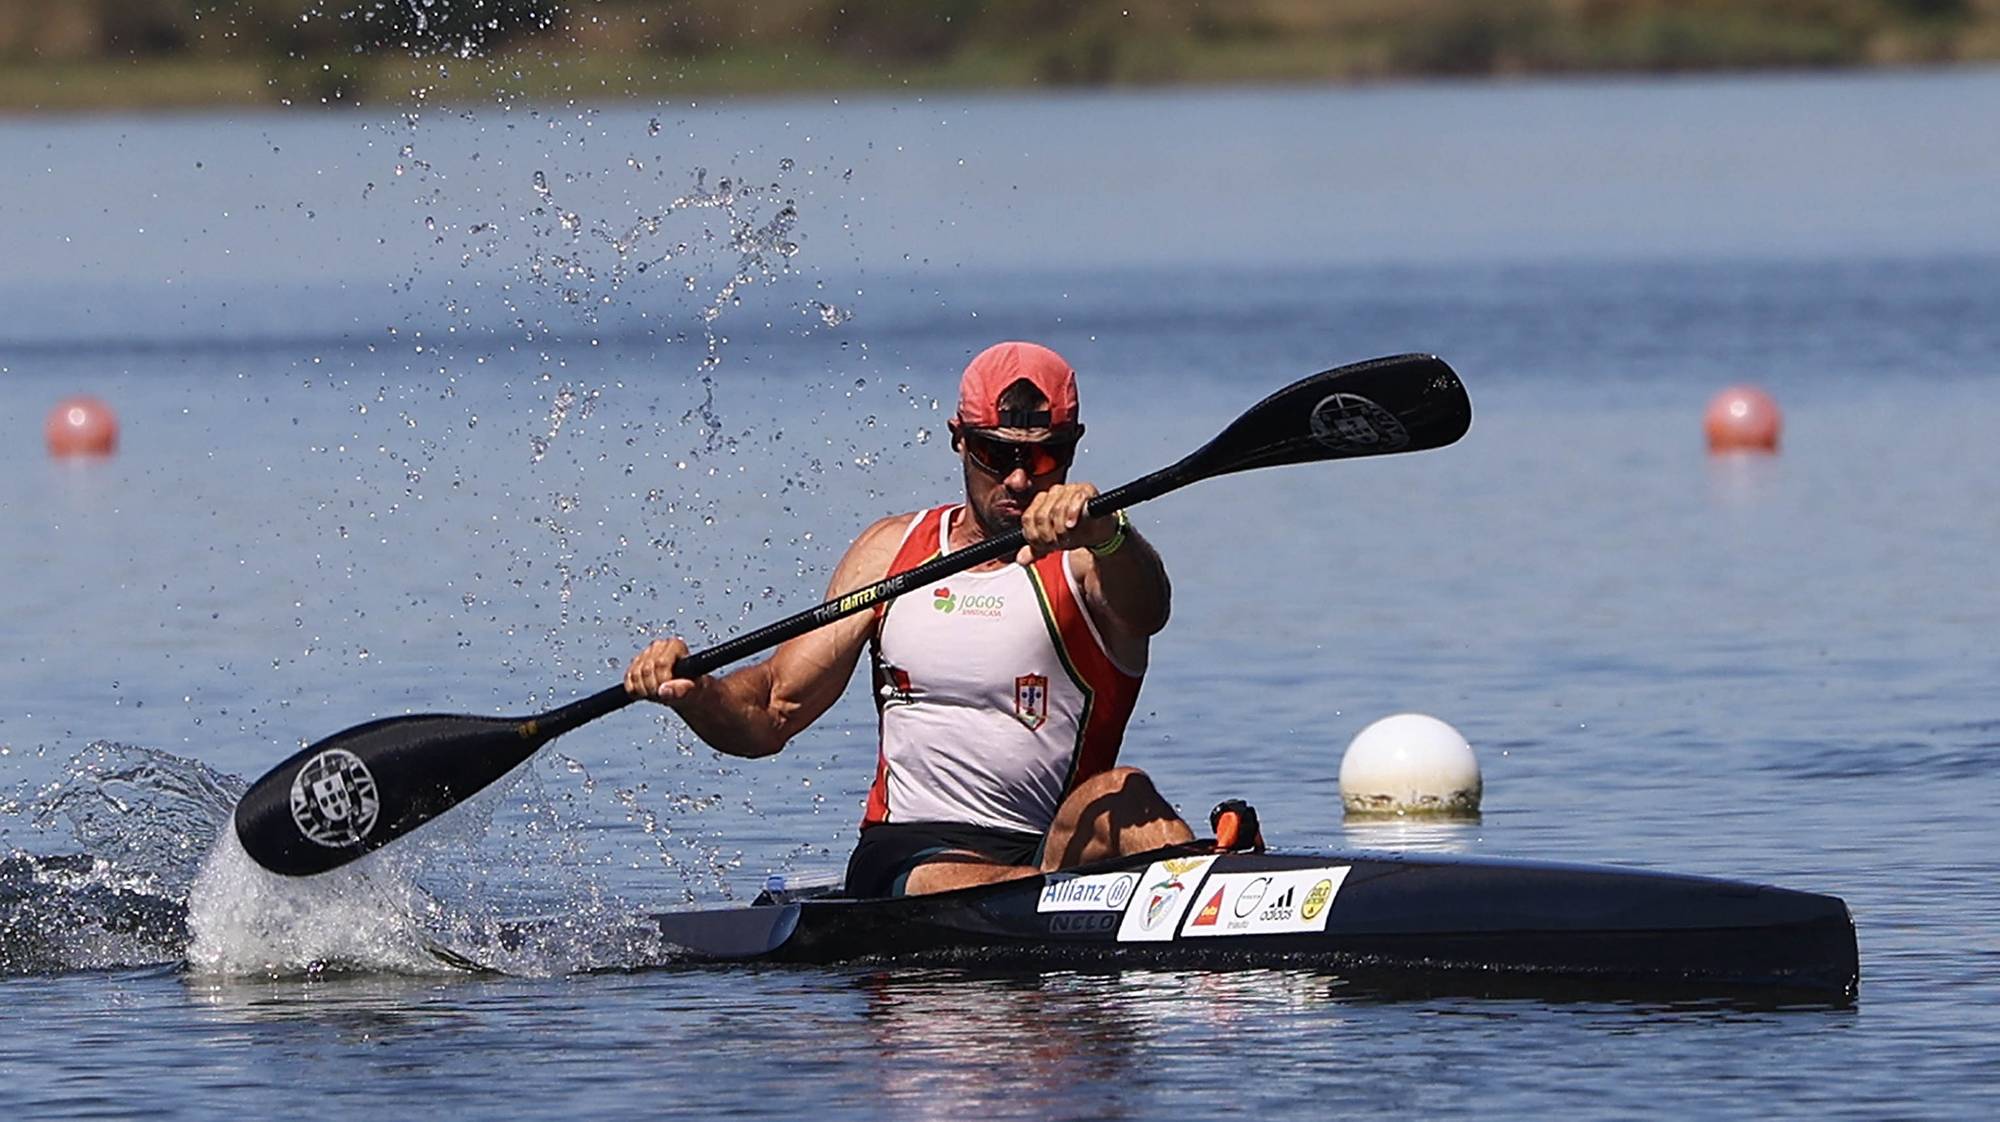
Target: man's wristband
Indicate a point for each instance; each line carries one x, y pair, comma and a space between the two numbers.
1116, 541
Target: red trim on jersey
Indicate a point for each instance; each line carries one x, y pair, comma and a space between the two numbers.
1112, 692
878, 791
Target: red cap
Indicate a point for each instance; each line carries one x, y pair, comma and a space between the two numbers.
1000, 366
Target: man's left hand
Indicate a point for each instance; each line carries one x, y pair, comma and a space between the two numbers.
1059, 518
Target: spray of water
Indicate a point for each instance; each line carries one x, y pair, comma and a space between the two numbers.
162, 880
244, 920
644, 248
124, 831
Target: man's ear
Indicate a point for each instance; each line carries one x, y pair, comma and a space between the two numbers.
952, 427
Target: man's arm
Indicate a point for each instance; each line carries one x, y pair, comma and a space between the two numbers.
1126, 592
1129, 586
753, 711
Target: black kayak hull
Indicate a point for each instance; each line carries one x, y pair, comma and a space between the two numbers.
1366, 915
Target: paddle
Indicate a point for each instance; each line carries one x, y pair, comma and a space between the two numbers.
360, 789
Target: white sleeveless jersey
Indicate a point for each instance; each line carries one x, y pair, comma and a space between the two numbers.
995, 692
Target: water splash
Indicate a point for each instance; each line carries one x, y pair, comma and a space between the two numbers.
717, 239
141, 820
447, 901
244, 920
376, 916
566, 399
164, 881
76, 912
140, 809
548, 230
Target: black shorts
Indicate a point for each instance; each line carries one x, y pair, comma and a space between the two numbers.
882, 859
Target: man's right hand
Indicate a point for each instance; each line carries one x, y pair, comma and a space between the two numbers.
651, 674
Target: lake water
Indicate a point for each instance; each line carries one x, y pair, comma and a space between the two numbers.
452, 411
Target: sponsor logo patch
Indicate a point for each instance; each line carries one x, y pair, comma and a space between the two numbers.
1108, 892
1317, 898
1249, 896
1274, 903
1082, 923
1031, 700
1165, 891
977, 605
1347, 422
1209, 913
334, 800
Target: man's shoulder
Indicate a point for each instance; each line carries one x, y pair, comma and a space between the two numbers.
892, 526
884, 536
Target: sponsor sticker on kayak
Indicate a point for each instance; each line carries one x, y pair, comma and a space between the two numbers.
1108, 892
1166, 889
1274, 903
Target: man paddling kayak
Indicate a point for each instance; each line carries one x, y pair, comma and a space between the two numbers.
346, 795
1003, 693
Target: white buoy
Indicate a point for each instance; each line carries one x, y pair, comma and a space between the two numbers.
1410, 764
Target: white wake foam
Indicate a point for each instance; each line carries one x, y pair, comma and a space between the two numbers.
244, 920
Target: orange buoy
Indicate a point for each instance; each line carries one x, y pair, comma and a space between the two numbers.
1742, 419
81, 426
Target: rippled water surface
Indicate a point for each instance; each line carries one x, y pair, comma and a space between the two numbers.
407, 426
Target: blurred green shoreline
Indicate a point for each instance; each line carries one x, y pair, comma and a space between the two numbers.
138, 55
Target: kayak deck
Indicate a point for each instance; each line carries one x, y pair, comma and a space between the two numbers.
1368, 915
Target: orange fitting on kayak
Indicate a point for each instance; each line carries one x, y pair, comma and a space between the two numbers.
1235, 823
1226, 829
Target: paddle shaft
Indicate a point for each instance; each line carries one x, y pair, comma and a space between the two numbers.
581, 712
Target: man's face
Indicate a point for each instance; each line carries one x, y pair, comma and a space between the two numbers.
1006, 468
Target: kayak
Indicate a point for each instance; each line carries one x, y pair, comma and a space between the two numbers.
1371, 916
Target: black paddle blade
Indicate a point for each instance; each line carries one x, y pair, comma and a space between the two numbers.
1404, 403
1407, 403
361, 789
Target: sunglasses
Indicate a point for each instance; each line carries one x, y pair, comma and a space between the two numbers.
999, 458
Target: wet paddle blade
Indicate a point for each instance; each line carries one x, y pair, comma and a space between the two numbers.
360, 789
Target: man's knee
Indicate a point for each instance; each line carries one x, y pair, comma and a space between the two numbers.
1122, 783
1116, 811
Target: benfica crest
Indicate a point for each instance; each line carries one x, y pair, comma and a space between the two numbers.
1031, 699
334, 799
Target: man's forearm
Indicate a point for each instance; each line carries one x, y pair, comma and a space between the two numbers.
733, 715
1133, 582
